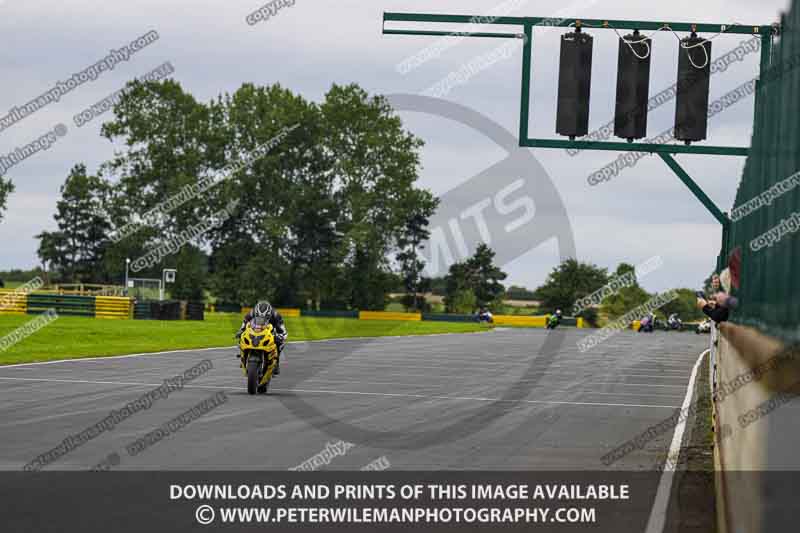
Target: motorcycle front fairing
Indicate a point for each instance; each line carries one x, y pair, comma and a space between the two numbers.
258, 340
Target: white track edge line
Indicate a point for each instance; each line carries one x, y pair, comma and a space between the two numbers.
658, 515
111, 357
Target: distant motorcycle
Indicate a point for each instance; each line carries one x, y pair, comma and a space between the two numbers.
674, 323
485, 317
554, 320
647, 324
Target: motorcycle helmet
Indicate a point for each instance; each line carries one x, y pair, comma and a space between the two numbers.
262, 310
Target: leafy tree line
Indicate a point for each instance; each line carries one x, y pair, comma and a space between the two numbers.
320, 217
573, 280
474, 283
516, 292
17, 274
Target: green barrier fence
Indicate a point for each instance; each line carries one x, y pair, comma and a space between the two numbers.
768, 197
64, 305
141, 311
226, 308
569, 321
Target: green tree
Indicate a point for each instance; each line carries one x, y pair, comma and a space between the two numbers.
50, 252
627, 298
411, 264
374, 163
457, 284
20, 275
685, 306
487, 277
438, 285
270, 249
169, 144
189, 278
478, 275
75, 251
319, 214
568, 282
516, 292
6, 188
463, 302
316, 244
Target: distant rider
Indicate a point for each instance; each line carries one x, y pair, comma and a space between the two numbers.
647, 323
264, 309
484, 315
554, 320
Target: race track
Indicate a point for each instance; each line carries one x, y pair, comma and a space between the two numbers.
508, 399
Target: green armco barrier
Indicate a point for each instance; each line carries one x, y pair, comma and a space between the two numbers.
141, 311
228, 308
569, 321
445, 317
768, 197
329, 313
64, 305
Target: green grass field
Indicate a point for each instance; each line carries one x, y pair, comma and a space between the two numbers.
75, 337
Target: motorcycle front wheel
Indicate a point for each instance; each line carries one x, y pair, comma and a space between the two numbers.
253, 371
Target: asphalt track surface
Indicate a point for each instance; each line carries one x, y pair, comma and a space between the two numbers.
502, 400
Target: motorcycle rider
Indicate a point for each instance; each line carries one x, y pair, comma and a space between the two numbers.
647, 323
554, 320
264, 309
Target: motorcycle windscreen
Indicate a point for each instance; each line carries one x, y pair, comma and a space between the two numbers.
259, 323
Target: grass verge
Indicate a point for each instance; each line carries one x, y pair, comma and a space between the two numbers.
75, 337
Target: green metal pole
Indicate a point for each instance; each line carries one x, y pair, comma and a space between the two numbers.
439, 33
741, 29
722, 259
696, 190
524, 108
653, 148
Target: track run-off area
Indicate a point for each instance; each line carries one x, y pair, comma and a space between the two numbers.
507, 399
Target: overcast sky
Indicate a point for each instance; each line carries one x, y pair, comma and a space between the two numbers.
644, 212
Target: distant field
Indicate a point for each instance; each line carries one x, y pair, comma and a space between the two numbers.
74, 337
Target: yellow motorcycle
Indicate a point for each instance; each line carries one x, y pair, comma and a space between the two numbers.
258, 354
